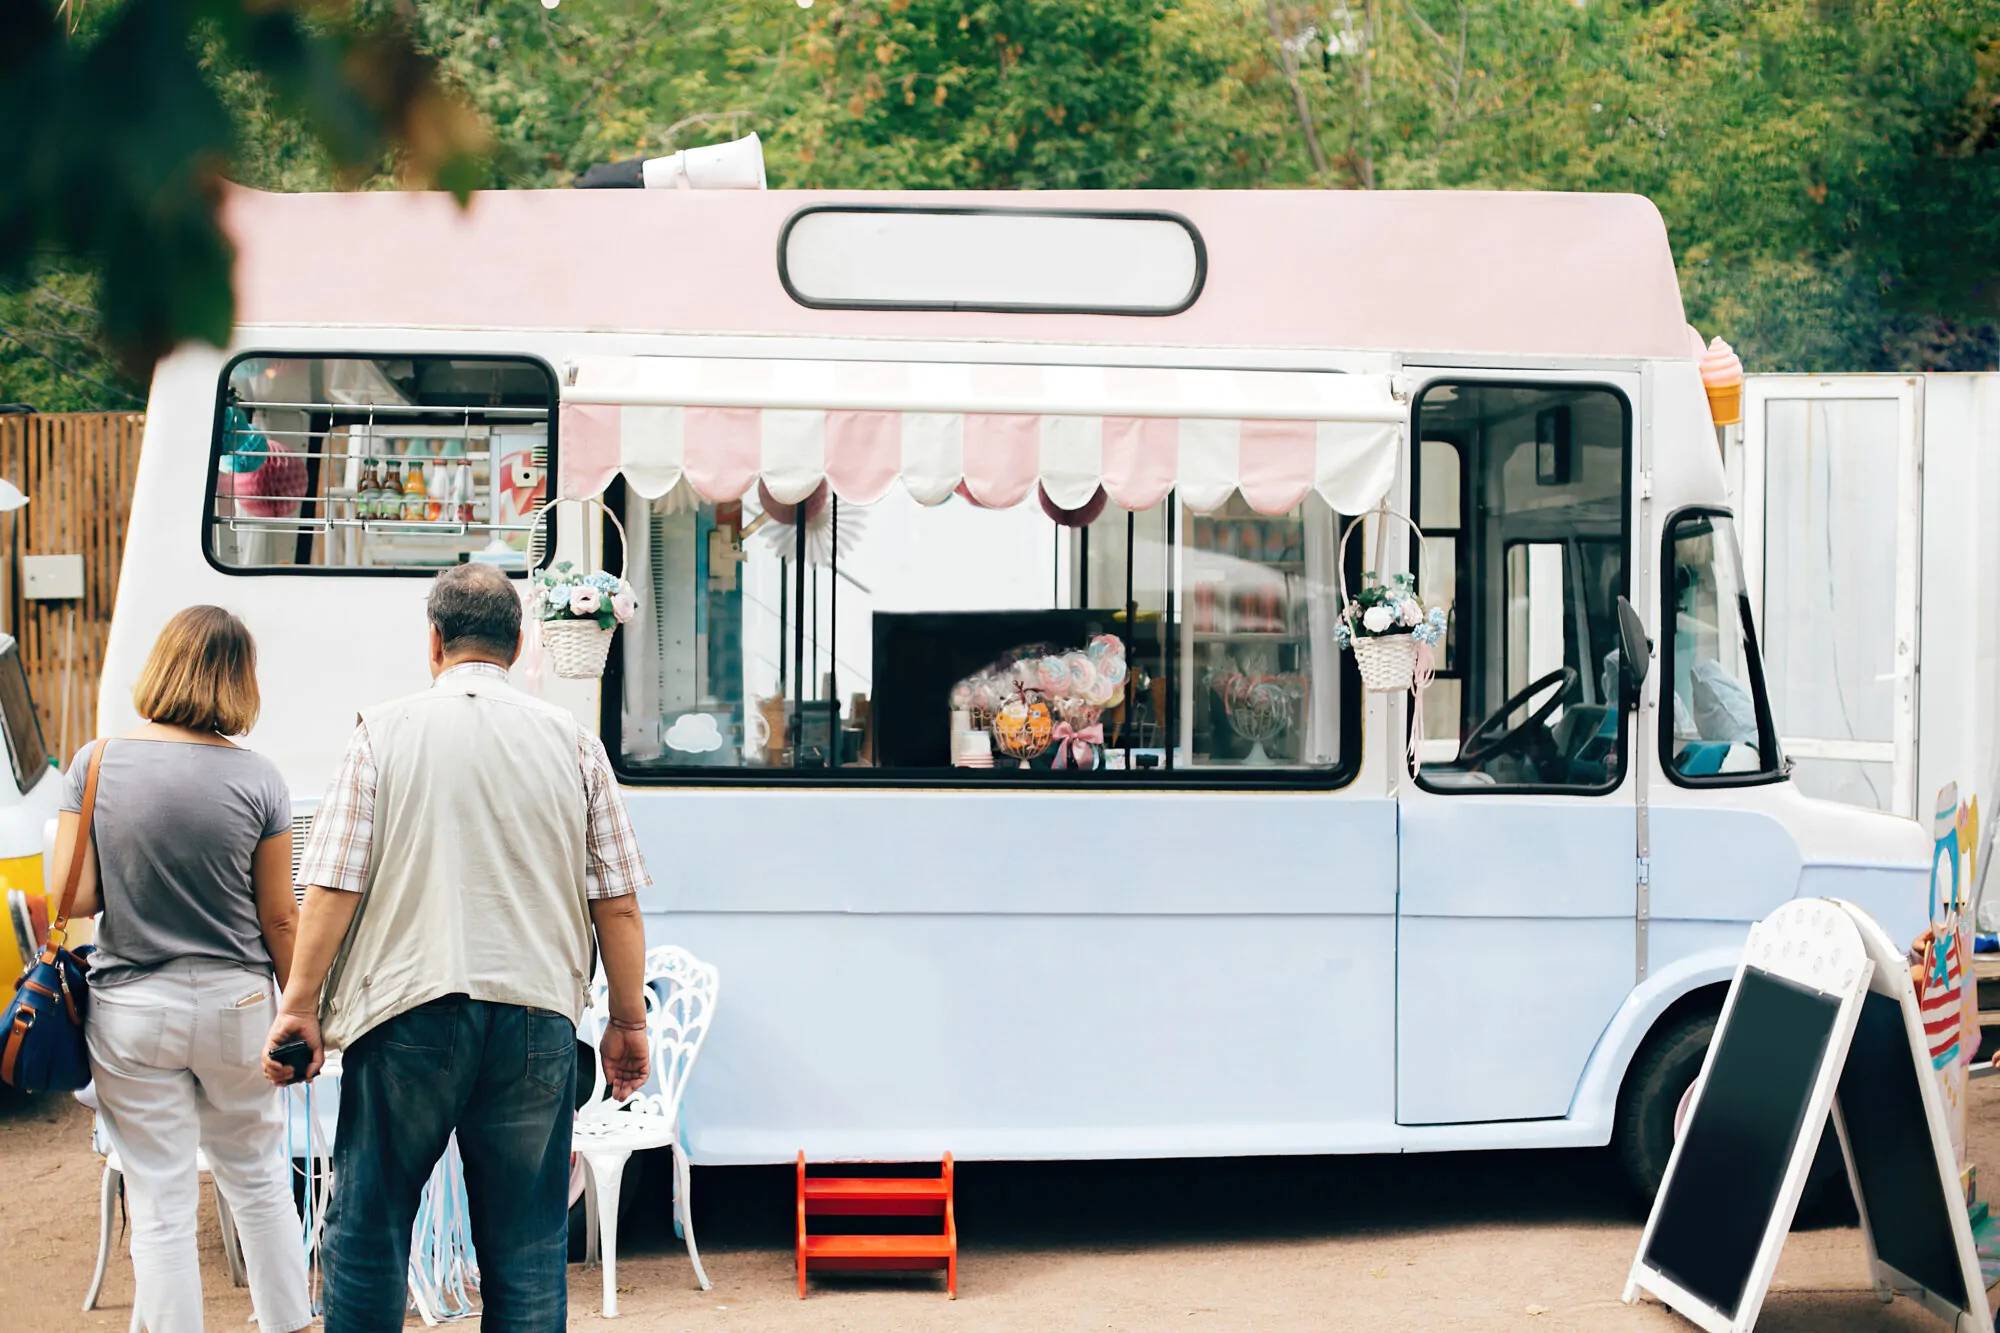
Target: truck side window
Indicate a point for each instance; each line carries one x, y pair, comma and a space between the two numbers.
385, 464
1717, 728
898, 641
1527, 538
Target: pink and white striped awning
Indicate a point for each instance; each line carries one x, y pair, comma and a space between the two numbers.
724, 425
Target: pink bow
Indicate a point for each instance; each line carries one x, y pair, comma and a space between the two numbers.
1420, 679
1071, 741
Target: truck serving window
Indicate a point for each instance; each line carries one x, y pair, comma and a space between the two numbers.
953, 643
1524, 489
382, 464
1716, 727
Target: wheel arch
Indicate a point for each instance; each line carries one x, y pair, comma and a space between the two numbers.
1692, 984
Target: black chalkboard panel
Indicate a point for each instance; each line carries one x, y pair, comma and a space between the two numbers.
1902, 1189
1718, 1200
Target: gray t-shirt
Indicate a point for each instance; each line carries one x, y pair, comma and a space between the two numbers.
176, 825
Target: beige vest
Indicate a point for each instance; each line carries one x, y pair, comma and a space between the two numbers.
476, 875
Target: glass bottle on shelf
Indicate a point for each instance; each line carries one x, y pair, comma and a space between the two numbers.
416, 495
391, 505
368, 497
439, 490
457, 482
389, 500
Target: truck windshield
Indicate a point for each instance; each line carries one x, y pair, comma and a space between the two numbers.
1718, 727
24, 731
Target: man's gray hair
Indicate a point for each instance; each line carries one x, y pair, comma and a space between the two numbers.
476, 609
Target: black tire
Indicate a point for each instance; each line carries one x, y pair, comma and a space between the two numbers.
1644, 1131
1644, 1135
1826, 1200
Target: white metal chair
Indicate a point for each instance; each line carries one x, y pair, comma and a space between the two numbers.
681, 993
107, 1208
310, 1137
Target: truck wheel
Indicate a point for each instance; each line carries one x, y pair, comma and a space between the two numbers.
1659, 1078
1666, 1067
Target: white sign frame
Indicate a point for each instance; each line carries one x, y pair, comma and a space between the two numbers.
1891, 978
1810, 942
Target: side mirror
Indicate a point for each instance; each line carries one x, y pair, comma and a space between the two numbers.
1635, 650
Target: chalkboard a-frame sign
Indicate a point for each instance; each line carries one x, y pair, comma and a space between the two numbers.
1891, 1118
1821, 1019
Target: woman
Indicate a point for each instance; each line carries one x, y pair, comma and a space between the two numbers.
190, 863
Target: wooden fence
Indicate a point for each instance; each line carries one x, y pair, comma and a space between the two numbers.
77, 469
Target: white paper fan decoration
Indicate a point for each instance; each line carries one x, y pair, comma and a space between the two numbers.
784, 541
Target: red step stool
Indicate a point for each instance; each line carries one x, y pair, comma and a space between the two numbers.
853, 1196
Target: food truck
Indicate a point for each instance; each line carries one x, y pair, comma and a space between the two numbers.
870, 461
29, 795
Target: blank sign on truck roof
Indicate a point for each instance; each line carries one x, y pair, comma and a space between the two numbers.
901, 258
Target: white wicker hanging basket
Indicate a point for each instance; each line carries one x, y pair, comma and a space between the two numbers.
578, 649
1388, 662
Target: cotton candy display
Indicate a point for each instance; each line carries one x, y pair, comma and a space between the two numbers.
1081, 674
1033, 697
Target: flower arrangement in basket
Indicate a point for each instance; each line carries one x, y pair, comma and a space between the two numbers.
578, 614
1387, 625
1035, 699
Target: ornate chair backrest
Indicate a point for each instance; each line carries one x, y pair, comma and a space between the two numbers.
681, 992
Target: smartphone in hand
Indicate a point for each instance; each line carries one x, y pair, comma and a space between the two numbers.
294, 1055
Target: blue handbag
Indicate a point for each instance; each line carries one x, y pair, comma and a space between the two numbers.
41, 1031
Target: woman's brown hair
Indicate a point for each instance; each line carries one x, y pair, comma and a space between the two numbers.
201, 674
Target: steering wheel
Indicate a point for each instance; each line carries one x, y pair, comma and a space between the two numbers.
1493, 737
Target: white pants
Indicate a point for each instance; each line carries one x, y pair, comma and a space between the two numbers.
177, 1060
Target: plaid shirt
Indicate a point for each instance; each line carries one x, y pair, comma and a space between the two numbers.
343, 830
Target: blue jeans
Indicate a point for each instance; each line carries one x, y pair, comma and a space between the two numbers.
501, 1076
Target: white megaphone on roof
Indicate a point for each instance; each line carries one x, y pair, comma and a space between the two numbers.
736, 165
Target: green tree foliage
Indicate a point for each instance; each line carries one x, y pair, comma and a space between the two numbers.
116, 141
1829, 172
52, 354
1826, 168
1021, 94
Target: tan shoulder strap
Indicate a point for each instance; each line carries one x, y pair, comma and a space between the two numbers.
58, 933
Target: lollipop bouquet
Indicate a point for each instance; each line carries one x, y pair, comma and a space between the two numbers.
1034, 699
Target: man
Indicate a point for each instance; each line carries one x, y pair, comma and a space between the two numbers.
472, 839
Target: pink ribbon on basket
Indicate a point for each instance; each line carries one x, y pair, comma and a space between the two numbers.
1069, 741
533, 662
1420, 678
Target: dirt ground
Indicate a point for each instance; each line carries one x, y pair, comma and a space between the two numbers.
1488, 1241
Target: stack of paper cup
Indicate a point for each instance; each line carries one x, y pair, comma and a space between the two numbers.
961, 722
975, 750
1722, 377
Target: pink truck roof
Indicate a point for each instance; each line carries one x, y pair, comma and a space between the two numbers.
1500, 274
